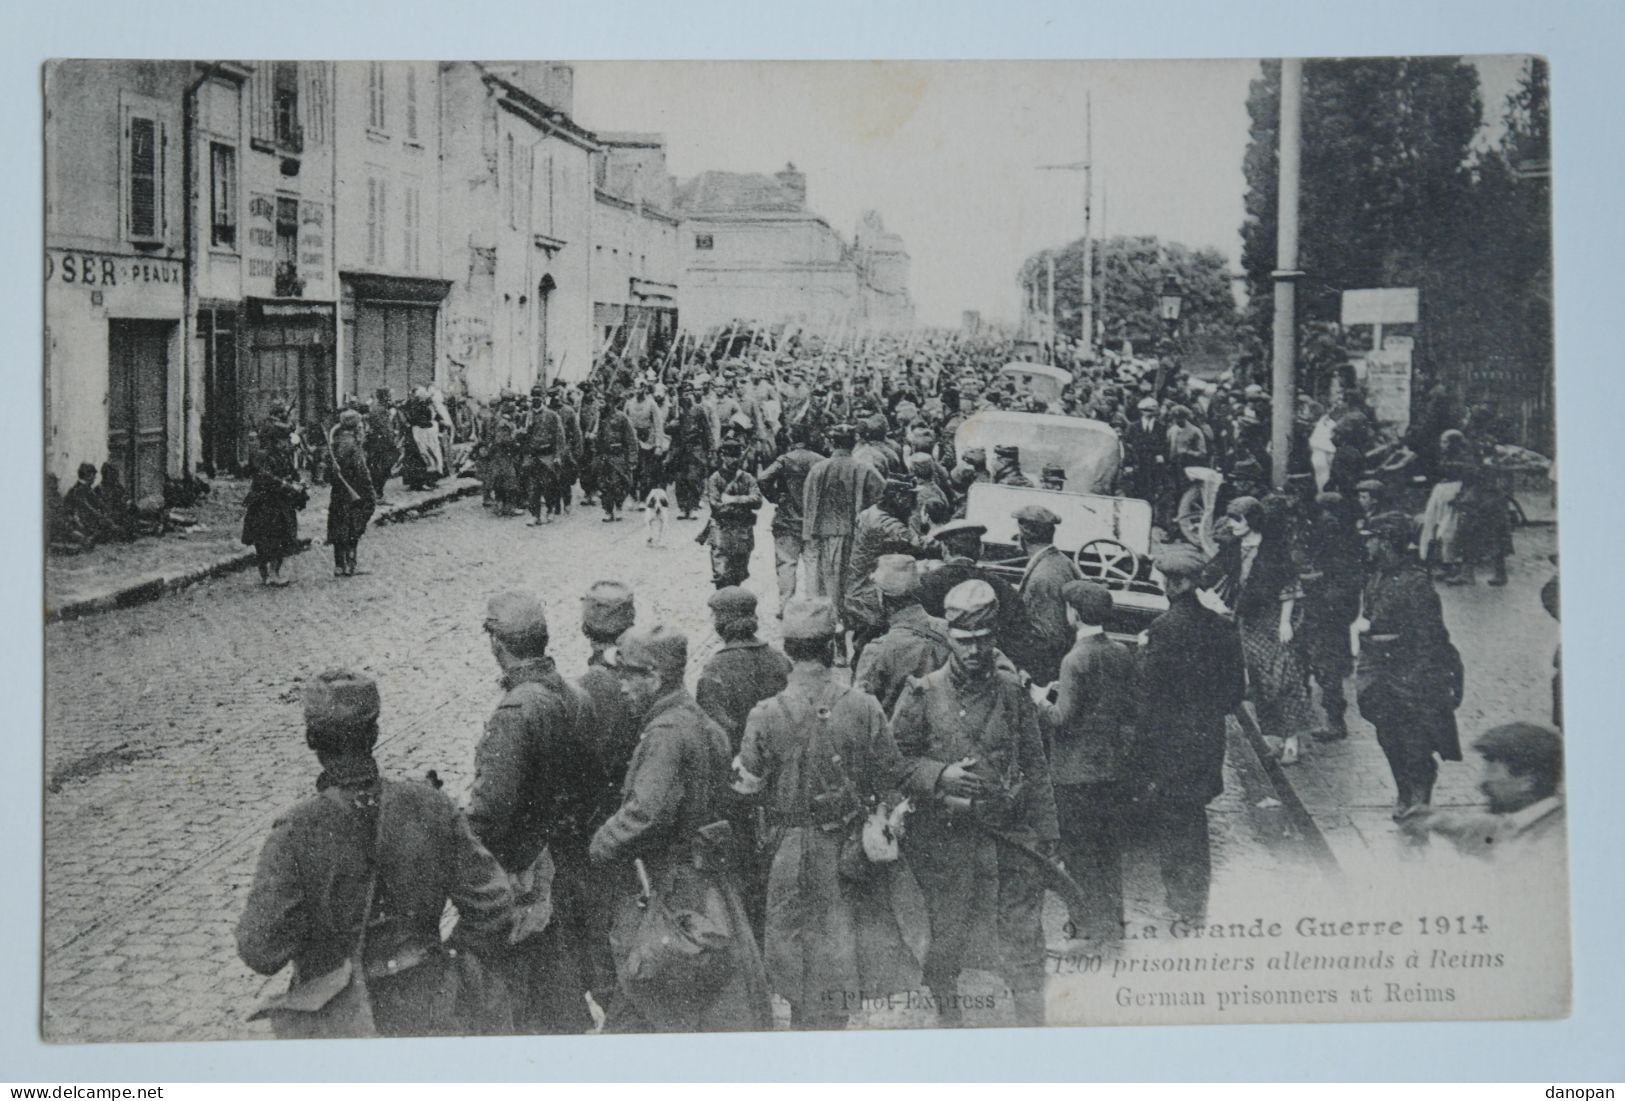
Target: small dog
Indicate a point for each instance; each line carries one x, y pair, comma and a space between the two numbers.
656, 506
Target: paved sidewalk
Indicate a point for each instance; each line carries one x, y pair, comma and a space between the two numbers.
119, 575
1346, 786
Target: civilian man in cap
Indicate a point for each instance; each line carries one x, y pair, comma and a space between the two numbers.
1047, 572
370, 863
537, 776
648, 425
914, 643
743, 673
1191, 677
784, 483
1054, 478
974, 766
734, 498
589, 412
382, 446
1090, 721
836, 490
818, 756
882, 529
1007, 467
1523, 767
1145, 453
675, 788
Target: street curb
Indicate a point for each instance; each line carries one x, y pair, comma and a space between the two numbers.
1314, 841
144, 592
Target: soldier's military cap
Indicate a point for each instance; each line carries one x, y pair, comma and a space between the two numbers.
1179, 560
350, 418
843, 432
809, 618
1035, 516
1147, 405
339, 700
959, 530
920, 461
897, 487
732, 602
537, 390
875, 423
1053, 471
971, 608
1091, 602
896, 575
975, 456
518, 620
657, 649
1370, 485
607, 609
1007, 451
1522, 747
731, 446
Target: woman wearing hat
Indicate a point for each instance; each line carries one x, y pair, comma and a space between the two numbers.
1254, 576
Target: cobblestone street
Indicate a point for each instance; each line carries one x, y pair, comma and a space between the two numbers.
174, 738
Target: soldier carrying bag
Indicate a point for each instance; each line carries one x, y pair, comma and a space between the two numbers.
336, 1004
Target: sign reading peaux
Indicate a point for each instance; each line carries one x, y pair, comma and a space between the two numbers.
102, 270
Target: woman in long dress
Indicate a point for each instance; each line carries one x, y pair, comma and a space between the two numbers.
275, 496
1255, 577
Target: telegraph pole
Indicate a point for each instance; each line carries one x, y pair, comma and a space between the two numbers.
1286, 273
1049, 269
1088, 345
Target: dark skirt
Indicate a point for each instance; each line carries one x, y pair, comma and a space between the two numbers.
271, 524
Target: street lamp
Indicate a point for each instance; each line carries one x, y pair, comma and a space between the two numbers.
1169, 302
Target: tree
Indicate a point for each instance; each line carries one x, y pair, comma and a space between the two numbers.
1129, 273
1385, 185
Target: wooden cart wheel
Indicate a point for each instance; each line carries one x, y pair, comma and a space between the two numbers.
1108, 562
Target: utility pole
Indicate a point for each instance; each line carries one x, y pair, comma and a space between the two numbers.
1286, 274
1088, 345
1049, 267
1086, 166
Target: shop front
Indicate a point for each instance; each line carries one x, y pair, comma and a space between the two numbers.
288, 356
391, 327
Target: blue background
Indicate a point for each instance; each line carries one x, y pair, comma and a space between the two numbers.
1586, 78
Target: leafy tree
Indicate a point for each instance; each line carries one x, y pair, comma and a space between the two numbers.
1129, 273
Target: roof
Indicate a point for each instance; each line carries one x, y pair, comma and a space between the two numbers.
736, 193
641, 139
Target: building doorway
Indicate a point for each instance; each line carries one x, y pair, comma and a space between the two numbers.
137, 403
222, 423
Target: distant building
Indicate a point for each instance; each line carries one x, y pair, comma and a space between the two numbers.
516, 226
883, 270
634, 250
751, 250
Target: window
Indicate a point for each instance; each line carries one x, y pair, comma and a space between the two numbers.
375, 95
413, 229
411, 103
376, 222
285, 102
222, 195
702, 241
145, 177
288, 283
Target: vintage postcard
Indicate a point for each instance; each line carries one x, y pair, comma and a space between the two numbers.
547, 547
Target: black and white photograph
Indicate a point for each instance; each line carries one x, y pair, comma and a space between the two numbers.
565, 547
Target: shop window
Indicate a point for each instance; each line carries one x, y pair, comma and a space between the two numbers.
702, 241
288, 283
411, 103
376, 223
222, 195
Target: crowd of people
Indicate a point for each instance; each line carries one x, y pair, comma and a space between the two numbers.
881, 803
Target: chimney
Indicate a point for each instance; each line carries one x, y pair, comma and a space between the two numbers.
794, 182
